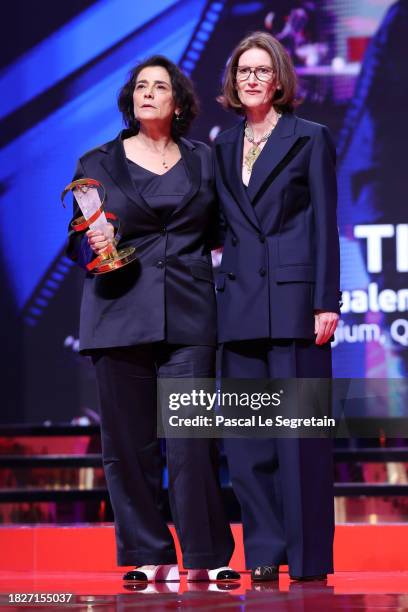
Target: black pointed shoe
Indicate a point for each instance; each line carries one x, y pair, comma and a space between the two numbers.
219, 574
153, 573
135, 576
265, 573
321, 577
226, 575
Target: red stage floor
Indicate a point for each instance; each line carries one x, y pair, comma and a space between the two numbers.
371, 574
91, 548
104, 591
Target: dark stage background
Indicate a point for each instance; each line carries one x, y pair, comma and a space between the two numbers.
61, 68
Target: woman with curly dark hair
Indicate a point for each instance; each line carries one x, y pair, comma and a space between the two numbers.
155, 318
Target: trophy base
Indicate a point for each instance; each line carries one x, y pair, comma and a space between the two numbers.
121, 259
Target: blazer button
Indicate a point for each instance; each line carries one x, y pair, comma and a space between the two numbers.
231, 275
160, 264
261, 238
234, 241
163, 230
262, 272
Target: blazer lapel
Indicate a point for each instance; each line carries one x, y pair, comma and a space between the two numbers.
277, 146
117, 166
229, 157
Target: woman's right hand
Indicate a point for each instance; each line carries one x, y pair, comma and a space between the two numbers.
98, 240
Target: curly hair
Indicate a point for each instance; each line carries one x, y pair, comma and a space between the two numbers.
183, 94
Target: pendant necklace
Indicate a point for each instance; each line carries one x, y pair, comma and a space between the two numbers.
164, 163
255, 150
163, 154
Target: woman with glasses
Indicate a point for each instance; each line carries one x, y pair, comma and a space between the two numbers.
278, 300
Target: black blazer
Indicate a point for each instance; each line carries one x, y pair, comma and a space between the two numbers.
281, 252
168, 293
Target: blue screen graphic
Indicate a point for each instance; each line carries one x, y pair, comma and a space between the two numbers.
59, 100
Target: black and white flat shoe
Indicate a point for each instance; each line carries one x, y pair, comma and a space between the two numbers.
219, 574
153, 573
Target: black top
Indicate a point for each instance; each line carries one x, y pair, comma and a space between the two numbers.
162, 192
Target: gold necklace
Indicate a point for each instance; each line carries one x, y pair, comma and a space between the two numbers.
162, 153
255, 150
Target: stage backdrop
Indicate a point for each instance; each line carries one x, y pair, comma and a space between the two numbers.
61, 69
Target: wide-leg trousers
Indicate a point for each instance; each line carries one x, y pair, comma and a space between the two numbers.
132, 459
284, 485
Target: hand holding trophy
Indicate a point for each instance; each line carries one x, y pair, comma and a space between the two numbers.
93, 217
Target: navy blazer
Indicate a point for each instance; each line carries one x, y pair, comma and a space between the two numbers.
281, 251
168, 293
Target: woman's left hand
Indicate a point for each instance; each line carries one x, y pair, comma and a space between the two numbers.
325, 325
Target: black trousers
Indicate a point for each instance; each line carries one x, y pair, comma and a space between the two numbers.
284, 485
127, 379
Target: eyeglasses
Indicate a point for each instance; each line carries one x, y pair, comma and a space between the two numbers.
262, 73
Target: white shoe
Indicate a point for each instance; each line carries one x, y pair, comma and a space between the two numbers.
219, 574
153, 573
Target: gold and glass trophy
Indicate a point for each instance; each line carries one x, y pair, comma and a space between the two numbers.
94, 217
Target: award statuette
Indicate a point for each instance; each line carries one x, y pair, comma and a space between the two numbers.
93, 217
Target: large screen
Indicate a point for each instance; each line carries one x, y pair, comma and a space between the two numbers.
60, 78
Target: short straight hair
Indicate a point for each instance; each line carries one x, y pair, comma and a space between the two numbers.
285, 98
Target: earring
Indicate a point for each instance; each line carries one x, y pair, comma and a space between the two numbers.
177, 117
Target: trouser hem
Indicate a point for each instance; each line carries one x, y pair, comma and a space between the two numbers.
206, 560
257, 556
263, 557
139, 557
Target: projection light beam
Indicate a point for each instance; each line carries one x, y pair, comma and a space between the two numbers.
48, 152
